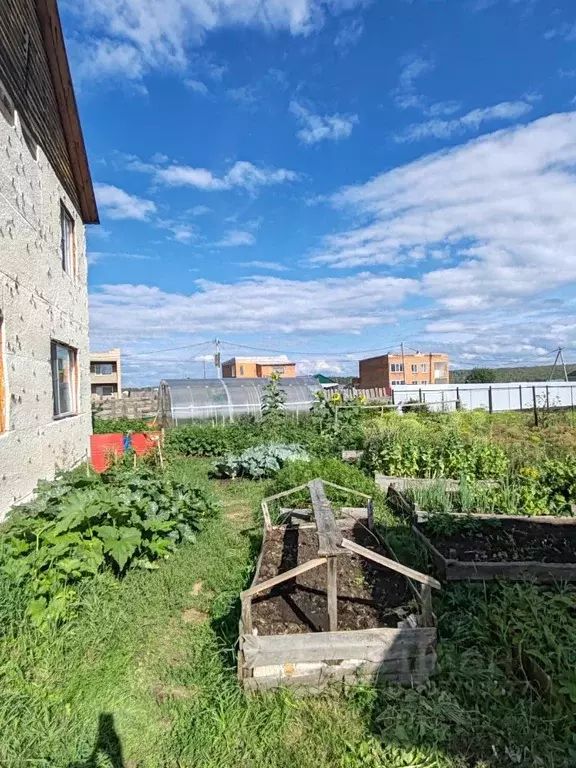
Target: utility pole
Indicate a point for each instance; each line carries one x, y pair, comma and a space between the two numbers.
204, 361
559, 357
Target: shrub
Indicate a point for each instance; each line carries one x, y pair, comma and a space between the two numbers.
259, 463
79, 525
105, 426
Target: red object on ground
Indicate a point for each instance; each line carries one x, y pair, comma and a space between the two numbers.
101, 446
144, 442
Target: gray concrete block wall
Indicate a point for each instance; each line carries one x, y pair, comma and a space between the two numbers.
39, 303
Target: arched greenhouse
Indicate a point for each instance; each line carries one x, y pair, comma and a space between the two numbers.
186, 400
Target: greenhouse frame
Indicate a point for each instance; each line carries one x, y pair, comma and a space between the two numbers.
183, 401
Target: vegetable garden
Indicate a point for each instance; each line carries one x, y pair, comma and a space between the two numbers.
119, 600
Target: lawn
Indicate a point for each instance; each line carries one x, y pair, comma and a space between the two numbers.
145, 676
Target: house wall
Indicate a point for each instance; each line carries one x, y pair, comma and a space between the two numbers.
377, 371
26, 75
39, 302
97, 379
265, 371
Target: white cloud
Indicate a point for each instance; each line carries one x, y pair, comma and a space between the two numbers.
197, 86
106, 58
503, 204
317, 128
118, 204
272, 266
406, 94
566, 31
199, 210
235, 238
242, 174
349, 34
161, 33
471, 121
96, 256
333, 305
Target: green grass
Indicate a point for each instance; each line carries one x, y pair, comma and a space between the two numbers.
148, 669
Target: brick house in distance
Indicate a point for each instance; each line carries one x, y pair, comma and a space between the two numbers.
420, 368
257, 368
46, 198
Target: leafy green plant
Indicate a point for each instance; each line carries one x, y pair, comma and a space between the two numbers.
273, 400
259, 463
79, 525
105, 426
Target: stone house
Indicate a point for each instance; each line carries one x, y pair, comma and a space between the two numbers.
46, 198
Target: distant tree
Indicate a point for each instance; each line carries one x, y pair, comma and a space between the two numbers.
481, 376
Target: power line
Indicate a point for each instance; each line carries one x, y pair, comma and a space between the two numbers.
170, 349
294, 352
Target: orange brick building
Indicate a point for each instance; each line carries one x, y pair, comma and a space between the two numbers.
257, 368
390, 370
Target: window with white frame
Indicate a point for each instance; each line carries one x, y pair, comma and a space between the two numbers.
278, 369
397, 367
414, 368
66, 240
63, 379
424, 367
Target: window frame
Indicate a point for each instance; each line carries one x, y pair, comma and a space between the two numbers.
94, 372
73, 379
397, 367
67, 241
279, 369
424, 368
414, 367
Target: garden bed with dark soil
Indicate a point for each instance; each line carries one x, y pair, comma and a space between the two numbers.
501, 546
369, 596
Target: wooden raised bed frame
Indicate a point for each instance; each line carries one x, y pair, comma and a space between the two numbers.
464, 570
405, 655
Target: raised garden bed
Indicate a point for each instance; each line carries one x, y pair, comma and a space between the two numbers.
480, 547
327, 605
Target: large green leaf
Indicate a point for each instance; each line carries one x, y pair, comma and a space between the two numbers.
77, 508
123, 547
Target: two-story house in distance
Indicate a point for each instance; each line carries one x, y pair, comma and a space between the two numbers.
46, 198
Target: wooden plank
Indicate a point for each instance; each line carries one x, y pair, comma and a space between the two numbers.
422, 516
392, 564
543, 573
329, 536
438, 558
266, 513
332, 592
286, 493
282, 577
368, 644
396, 671
246, 615
426, 597
348, 490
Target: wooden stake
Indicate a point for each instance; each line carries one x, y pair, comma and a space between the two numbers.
426, 595
332, 589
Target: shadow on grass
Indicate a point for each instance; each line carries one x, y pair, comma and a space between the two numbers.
107, 745
226, 627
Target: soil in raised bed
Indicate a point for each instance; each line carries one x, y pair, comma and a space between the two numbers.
369, 596
505, 541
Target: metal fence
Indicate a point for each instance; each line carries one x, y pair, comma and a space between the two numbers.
514, 396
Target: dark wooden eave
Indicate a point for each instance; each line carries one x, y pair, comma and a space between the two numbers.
55, 48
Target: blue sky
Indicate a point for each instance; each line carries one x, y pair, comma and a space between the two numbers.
318, 178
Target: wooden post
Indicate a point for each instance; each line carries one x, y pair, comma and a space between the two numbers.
490, 399
332, 590
246, 615
420, 395
458, 404
370, 506
535, 406
426, 595
520, 392
547, 397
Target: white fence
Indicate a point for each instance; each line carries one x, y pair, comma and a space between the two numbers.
513, 396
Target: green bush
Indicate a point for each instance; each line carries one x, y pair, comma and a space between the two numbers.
106, 426
259, 463
426, 454
78, 525
207, 440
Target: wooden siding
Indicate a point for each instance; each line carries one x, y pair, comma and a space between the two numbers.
26, 74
